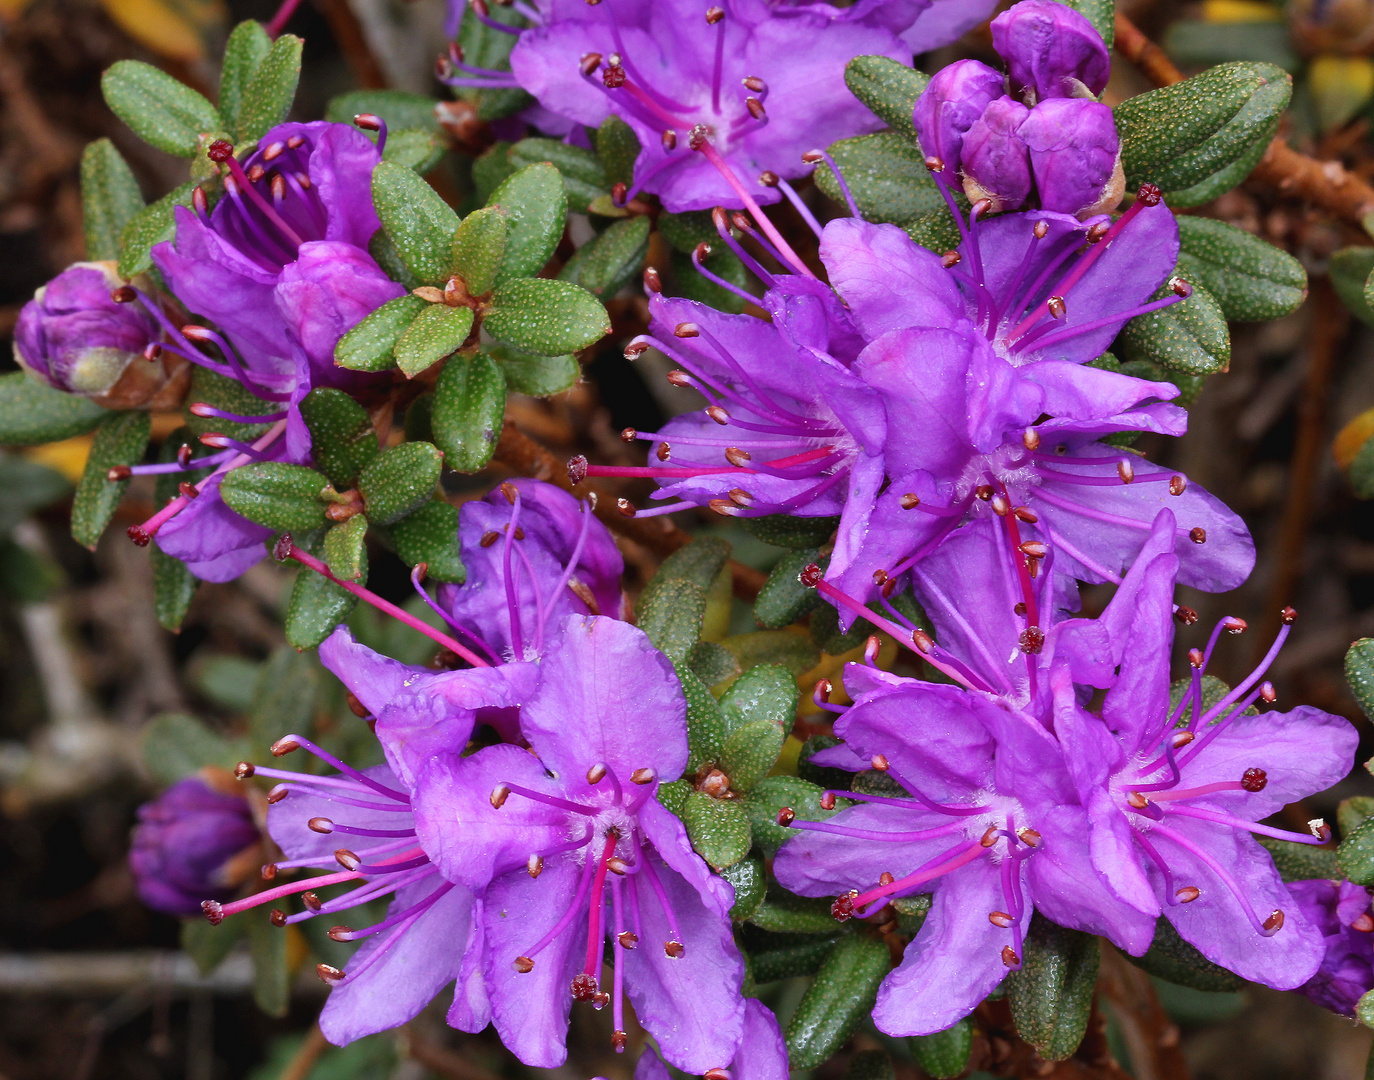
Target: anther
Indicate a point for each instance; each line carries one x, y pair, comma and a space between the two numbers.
1363, 923
910, 501
244, 769
489, 537
1195, 658
347, 859
1274, 923
810, 575
989, 837
284, 746
1188, 894
813, 157
510, 491
1181, 288
499, 794
278, 184
214, 911
1026, 514
589, 62
879, 577
523, 964
329, 974
311, 901
755, 107
674, 949
714, 15
627, 939
1149, 194
1177, 485
1254, 779
626, 508
1288, 614
1030, 837
842, 910
119, 472
983, 491
768, 178
617, 866
534, 865
1267, 694
885, 878
184, 455
716, 1074
701, 251
754, 83
737, 457
643, 776
277, 794
1097, 232
1186, 615
123, 295
1000, 506
924, 642
1057, 307
740, 497
935, 164
1030, 439
320, 825
152, 351
1182, 739
583, 987
1137, 800
654, 284
828, 800
669, 139
1009, 957
619, 1040
1233, 625
719, 415
1000, 918
950, 259
340, 933
879, 762
1019, 608
199, 202
1320, 829
189, 490
1198, 535
1036, 549
596, 774
786, 816
1125, 470
1041, 230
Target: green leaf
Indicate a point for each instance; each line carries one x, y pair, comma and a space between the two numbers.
1355, 856
490, 170
430, 536
1250, 279
469, 405
271, 90
26, 486
400, 481
686, 230
1201, 137
705, 728
229, 395
345, 550
783, 913
767, 692
109, 198
1359, 673
267, 947
888, 88
617, 148
770, 795
272, 493
537, 206
790, 961
546, 317
685, 281
153, 224
418, 222
418, 149
1352, 812
401, 109
792, 651
1198, 44
1300, 862
609, 262
120, 440
935, 230
750, 751
712, 663
1052, 995
388, 258
583, 177
718, 828
782, 530
173, 587
1190, 337
1351, 269
174, 745
887, 175
343, 441
840, 996
870, 1065
207, 945
247, 47
532, 374
945, 1054
699, 562
478, 246
749, 881
1101, 13
31, 412
317, 605
784, 599
671, 616
370, 346
435, 333
1174, 960
285, 690
161, 111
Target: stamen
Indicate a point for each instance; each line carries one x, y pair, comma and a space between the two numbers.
812, 157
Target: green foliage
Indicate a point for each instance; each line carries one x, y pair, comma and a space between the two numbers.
1190, 337
718, 828
1359, 673
671, 616
1351, 269
343, 440
161, 111
535, 203
120, 439
174, 745
783, 913
1174, 960
207, 945
584, 178
757, 712
749, 881
1355, 856
608, 262
840, 996
370, 346
789, 961
32, 412
478, 247
400, 480
417, 221
267, 947
770, 795
345, 550
430, 536
1052, 995
402, 110
945, 1054
469, 405
270, 91
435, 333
617, 147
530, 373
153, 224
417, 149
784, 599
887, 175
546, 317
1101, 13
109, 198
317, 605
870, 1065
705, 727
248, 46
1249, 278
26, 486
272, 493
791, 532
1301, 862
888, 88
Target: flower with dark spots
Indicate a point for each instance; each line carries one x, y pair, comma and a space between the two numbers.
568, 847
1340, 911
195, 840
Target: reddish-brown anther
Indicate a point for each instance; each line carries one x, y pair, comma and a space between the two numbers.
220, 151
589, 63
1009, 957
843, 907
1188, 894
1184, 614
654, 284
828, 800
117, 473
329, 974
1254, 780
1288, 614
811, 575
123, 295
577, 467
244, 769
1149, 194
1275, 921
1032, 640
277, 918
583, 987
1363, 923
786, 816
674, 949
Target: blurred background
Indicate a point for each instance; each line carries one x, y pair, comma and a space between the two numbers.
91, 982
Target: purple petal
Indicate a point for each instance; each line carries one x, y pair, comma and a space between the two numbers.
650, 1066
471, 1008
1139, 699
1074, 391
374, 679
1051, 49
762, 1053
946, 21
214, 542
995, 157
288, 819
1074, 153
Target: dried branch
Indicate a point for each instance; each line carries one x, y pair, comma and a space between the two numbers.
1152, 61
303, 1060
1150, 1035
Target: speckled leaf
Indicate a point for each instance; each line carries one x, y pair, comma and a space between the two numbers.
751, 750
792, 532
1052, 995
1364, 1013
530, 373
400, 481
491, 169
672, 615
1101, 13
469, 405
120, 440
886, 174
770, 795
766, 692
749, 881
317, 605
273, 493
1190, 337
341, 434
936, 230
945, 1054
546, 317
1351, 813
433, 334
478, 247
718, 828
208, 946
686, 281
161, 111
1359, 673
686, 230
1250, 279
247, 46
418, 149
1300, 862
151, 225
430, 536
537, 206
399, 108
609, 262
705, 728
699, 562
173, 588
1201, 137
418, 222
784, 599
388, 258
174, 745
790, 961
888, 88
370, 346
1174, 960
345, 549
840, 996
270, 91
793, 651
617, 147
583, 176
1355, 856
109, 198
1351, 269
712, 663
783, 913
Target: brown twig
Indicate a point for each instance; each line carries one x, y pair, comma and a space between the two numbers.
443, 1061
1149, 1034
521, 454
998, 1049
303, 1060
1283, 171
348, 33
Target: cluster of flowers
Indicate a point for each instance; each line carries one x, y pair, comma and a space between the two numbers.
953, 413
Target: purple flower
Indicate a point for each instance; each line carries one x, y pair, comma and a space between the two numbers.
762, 1054
1076, 156
567, 845
995, 157
533, 555
1340, 911
74, 337
952, 102
193, 841
1051, 51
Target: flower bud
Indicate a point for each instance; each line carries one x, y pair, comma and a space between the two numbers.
74, 337
1051, 51
996, 164
194, 842
955, 97
1075, 155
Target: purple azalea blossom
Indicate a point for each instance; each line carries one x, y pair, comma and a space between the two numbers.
762, 1053
1051, 51
567, 845
995, 157
75, 337
552, 556
194, 840
1340, 910
1075, 156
